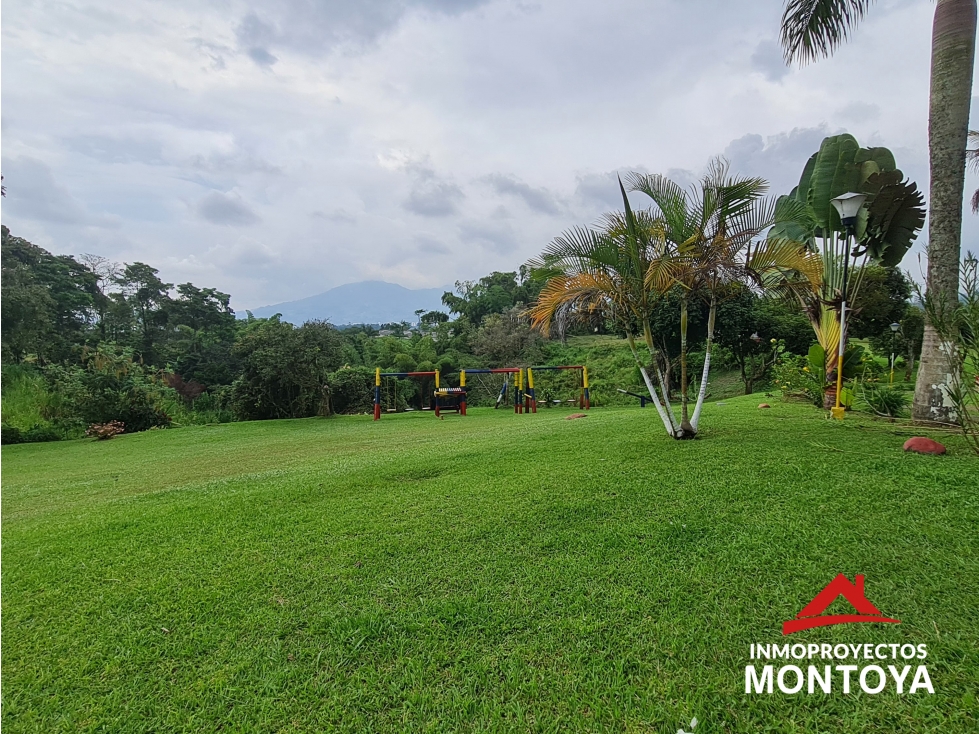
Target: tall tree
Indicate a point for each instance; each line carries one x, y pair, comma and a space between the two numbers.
972, 156
602, 270
149, 298
885, 229
47, 301
106, 272
815, 28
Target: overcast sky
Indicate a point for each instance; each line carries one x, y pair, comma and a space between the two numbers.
275, 150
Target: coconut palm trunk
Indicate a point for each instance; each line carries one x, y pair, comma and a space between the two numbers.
952, 59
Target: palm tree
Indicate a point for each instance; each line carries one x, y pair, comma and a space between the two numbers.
602, 270
815, 28
697, 242
710, 229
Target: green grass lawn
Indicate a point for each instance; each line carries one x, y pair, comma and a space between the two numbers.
491, 573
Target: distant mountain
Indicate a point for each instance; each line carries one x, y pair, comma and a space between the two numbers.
367, 302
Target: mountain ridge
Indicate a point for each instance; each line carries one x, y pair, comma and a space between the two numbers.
363, 302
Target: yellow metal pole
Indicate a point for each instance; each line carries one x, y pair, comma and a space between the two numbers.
838, 411
462, 378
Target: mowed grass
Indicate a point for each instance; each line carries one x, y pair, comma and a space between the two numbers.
492, 573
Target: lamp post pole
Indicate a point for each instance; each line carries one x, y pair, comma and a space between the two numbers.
847, 207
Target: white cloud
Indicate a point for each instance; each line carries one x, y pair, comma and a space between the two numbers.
419, 141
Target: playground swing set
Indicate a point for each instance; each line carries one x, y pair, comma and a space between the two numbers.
453, 399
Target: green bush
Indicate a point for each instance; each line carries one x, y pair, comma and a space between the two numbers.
112, 387
28, 398
884, 400
10, 434
41, 434
352, 390
793, 375
285, 370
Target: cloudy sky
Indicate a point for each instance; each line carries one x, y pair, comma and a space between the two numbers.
274, 150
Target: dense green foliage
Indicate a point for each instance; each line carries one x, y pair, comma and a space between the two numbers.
285, 369
178, 355
411, 575
494, 294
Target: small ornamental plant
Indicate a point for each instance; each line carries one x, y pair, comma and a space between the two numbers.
105, 431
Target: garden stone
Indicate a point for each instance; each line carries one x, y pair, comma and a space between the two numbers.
922, 445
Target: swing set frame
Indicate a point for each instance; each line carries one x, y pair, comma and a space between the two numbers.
377, 387
584, 397
524, 399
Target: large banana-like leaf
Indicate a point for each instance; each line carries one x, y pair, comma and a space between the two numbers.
801, 192
881, 156
834, 173
790, 259
894, 218
828, 335
886, 228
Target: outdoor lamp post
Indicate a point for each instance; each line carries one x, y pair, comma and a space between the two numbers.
847, 206
895, 327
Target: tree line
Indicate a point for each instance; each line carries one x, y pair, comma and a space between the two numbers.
96, 341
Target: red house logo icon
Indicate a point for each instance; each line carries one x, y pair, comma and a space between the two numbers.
812, 614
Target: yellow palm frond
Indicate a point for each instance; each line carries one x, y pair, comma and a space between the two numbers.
583, 292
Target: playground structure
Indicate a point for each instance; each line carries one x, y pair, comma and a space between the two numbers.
584, 397
454, 398
516, 373
378, 375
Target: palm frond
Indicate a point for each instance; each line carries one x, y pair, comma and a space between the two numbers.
815, 28
785, 260
563, 294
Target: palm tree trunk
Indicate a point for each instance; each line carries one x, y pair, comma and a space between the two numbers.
686, 430
664, 382
703, 378
664, 416
952, 57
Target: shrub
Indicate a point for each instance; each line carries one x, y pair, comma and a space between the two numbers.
41, 434
793, 375
214, 406
884, 400
28, 399
112, 387
285, 370
10, 434
105, 431
352, 390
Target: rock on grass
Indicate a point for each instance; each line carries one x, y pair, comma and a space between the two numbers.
923, 445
